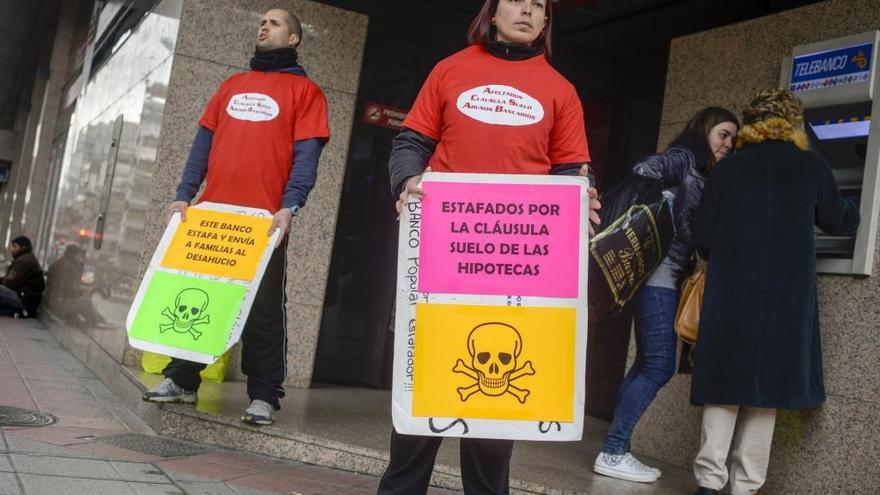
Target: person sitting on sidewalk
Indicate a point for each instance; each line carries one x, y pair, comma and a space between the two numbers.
22, 287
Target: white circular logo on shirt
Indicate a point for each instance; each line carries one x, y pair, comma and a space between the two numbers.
255, 107
500, 105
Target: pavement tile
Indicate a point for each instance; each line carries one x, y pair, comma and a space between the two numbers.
245, 459
46, 485
59, 376
321, 475
60, 435
64, 466
35, 359
306, 487
370, 483
89, 422
97, 387
78, 418
20, 360
240, 490
112, 452
9, 385
133, 423
154, 489
139, 472
12, 387
21, 402
4, 464
8, 484
195, 469
83, 406
241, 459
10, 393
278, 482
73, 397
15, 443
205, 488
28, 368
436, 491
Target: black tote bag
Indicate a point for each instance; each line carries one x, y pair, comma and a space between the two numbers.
624, 254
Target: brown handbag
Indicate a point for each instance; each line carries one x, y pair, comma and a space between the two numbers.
687, 317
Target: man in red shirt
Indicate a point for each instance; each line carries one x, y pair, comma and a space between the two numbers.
257, 145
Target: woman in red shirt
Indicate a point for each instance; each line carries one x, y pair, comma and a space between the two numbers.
495, 107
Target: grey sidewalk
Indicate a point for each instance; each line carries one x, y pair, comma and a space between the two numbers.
98, 446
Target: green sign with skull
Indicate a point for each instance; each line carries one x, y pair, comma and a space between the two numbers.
188, 313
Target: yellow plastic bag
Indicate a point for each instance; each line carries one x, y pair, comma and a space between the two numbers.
155, 363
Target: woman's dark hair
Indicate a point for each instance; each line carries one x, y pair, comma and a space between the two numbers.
23, 241
482, 31
703, 122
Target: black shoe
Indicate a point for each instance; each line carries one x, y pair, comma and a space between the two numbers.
705, 491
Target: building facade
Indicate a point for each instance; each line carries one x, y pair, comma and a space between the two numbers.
113, 74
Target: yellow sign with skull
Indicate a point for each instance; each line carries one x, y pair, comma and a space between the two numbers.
494, 362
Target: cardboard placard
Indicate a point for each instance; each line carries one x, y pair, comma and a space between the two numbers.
197, 292
491, 319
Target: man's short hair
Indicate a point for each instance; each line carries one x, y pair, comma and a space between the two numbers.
293, 23
23, 242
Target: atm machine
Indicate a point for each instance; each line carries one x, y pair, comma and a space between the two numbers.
838, 83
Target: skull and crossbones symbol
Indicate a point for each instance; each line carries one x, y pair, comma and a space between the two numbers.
494, 349
188, 312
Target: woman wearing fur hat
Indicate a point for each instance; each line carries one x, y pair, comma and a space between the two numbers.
759, 347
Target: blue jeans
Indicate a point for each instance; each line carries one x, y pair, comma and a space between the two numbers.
654, 364
10, 301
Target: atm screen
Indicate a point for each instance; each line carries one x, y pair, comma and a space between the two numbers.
840, 134
841, 130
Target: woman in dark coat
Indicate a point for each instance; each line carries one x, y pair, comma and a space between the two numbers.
759, 348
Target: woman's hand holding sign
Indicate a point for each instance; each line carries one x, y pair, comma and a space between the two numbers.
595, 205
411, 186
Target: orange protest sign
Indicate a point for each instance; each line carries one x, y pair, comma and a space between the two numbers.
494, 362
218, 243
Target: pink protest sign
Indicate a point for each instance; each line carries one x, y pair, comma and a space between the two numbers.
500, 239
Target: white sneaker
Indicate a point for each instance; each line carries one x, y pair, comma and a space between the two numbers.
625, 467
168, 391
259, 413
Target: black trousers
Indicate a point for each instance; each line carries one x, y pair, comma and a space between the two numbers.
264, 340
485, 465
